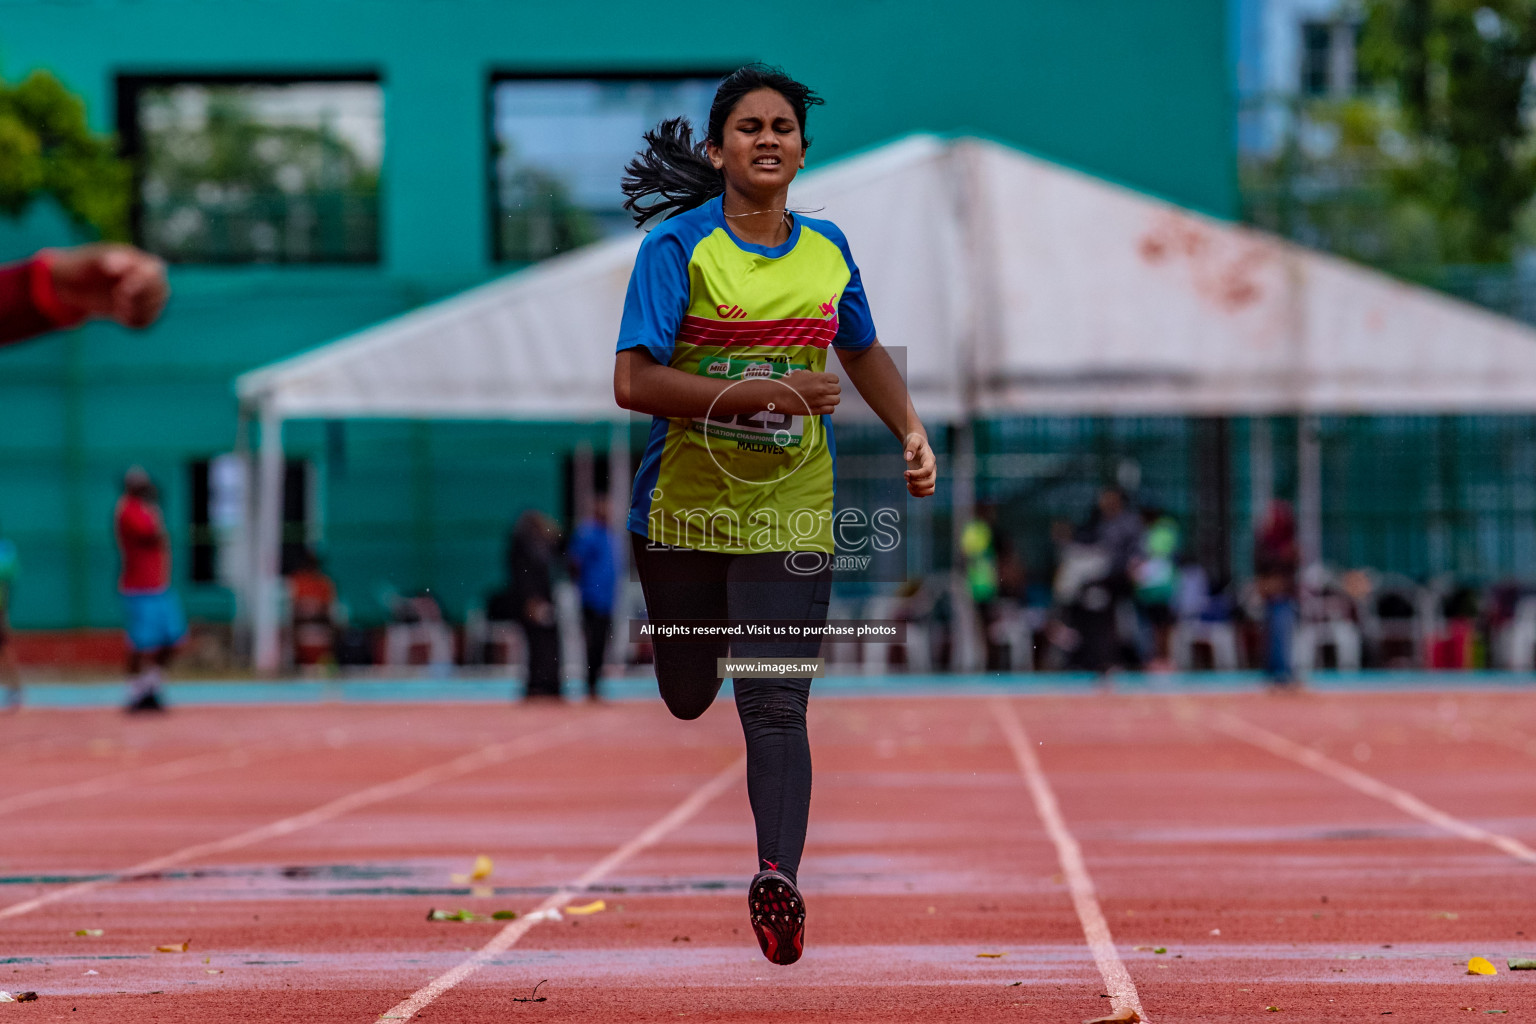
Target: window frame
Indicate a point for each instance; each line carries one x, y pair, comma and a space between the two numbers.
498, 76
129, 85
1312, 71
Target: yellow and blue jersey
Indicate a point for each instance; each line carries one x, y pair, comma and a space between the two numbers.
702, 301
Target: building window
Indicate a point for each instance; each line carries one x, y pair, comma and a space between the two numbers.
256, 171
1328, 58
559, 146
218, 517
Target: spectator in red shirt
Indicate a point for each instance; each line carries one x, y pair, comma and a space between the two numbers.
155, 622
65, 287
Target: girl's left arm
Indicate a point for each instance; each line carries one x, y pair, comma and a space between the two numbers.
872, 371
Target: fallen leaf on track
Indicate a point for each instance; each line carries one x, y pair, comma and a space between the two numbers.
991, 956
1126, 1016
450, 915
594, 907
1517, 964
1478, 965
174, 947
1272, 1009
90, 933
504, 915
481, 870
26, 997
211, 970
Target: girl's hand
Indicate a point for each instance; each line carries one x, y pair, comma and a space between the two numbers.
922, 468
107, 280
818, 393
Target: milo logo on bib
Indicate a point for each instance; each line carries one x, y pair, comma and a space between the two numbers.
770, 430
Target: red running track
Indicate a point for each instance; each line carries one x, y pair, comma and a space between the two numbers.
300, 849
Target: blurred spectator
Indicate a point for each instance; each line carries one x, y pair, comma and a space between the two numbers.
978, 545
9, 564
64, 287
1459, 646
1276, 558
1155, 580
1093, 578
593, 564
530, 568
312, 604
154, 618
1192, 591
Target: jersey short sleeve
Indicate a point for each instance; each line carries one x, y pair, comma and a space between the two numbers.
657, 296
855, 323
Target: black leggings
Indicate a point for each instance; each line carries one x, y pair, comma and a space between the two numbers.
681, 583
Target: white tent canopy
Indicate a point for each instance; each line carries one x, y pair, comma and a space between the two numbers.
1012, 285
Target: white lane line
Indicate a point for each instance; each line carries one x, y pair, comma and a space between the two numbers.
237, 757
485, 757
508, 936
1241, 729
1122, 990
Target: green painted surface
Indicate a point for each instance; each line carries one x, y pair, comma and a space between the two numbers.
1129, 90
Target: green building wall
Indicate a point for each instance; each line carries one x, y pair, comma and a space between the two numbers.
1132, 91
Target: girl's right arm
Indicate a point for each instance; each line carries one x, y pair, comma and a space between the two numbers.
643, 385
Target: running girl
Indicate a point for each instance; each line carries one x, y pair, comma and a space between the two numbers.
731, 307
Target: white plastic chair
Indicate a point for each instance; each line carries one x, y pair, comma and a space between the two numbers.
1516, 643
481, 633
1413, 630
917, 647
1343, 636
403, 639
1220, 637
1015, 630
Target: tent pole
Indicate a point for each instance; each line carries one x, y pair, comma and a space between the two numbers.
1261, 469
268, 545
966, 649
982, 335
244, 540
618, 524
583, 479
1309, 490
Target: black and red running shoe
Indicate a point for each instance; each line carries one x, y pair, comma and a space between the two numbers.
778, 916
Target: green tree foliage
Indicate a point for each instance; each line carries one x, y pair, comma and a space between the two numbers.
48, 150
241, 154
224, 182
1462, 71
538, 218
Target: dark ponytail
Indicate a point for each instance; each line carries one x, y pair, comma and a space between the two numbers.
674, 171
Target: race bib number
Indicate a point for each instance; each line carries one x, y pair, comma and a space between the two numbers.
770, 427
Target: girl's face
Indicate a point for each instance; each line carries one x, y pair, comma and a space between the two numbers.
762, 147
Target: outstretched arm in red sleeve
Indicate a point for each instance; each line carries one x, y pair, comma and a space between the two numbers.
63, 287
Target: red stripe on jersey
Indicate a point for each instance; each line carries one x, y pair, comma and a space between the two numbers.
696, 330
